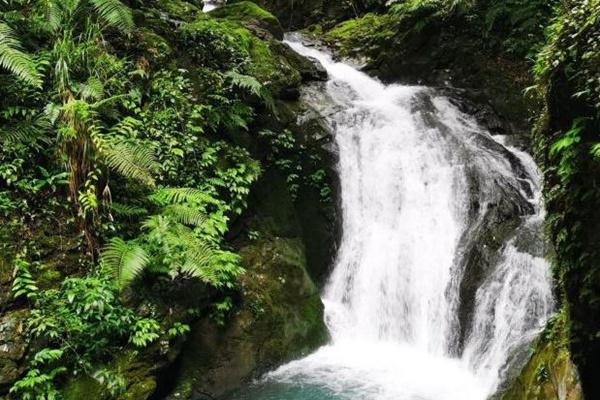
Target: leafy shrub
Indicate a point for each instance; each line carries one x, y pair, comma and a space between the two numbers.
212, 44
81, 324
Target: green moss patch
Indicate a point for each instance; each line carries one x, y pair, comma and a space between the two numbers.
550, 373
248, 13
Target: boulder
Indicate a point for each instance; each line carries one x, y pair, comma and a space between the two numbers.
281, 318
13, 346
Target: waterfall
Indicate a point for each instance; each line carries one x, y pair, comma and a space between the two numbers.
423, 191
209, 5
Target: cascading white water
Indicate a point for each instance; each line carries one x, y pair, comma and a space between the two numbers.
418, 179
209, 5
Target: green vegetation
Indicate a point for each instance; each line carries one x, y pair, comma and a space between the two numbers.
567, 75
132, 132
550, 372
512, 27
149, 174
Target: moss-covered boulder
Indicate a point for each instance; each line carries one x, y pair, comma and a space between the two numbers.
244, 36
281, 318
296, 14
550, 373
12, 347
138, 373
429, 45
250, 16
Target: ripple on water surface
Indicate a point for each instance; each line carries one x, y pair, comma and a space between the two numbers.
375, 371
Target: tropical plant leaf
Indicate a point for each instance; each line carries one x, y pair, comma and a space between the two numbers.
115, 14
14, 60
126, 260
127, 210
252, 86
185, 214
92, 89
29, 131
168, 196
131, 160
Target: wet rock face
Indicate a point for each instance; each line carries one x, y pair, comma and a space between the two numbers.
12, 346
281, 318
495, 210
433, 51
549, 373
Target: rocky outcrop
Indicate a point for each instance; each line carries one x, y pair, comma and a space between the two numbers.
281, 318
138, 371
13, 346
549, 373
280, 315
426, 47
251, 16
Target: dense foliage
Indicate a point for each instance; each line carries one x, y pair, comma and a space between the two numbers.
568, 76
512, 27
124, 126
135, 154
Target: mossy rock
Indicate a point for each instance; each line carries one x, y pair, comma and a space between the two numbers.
296, 14
281, 318
12, 347
226, 44
250, 16
153, 46
430, 45
139, 375
362, 36
177, 9
549, 373
271, 67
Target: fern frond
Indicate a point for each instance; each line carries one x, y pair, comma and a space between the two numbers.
185, 214
92, 89
252, 86
131, 160
115, 14
26, 132
125, 210
128, 127
16, 61
166, 196
199, 263
126, 260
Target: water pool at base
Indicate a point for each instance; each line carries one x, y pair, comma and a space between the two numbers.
383, 371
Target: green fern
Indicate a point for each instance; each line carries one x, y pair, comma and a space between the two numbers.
46, 356
28, 131
169, 196
23, 284
128, 127
126, 260
131, 160
185, 214
252, 86
125, 210
115, 14
92, 89
14, 60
